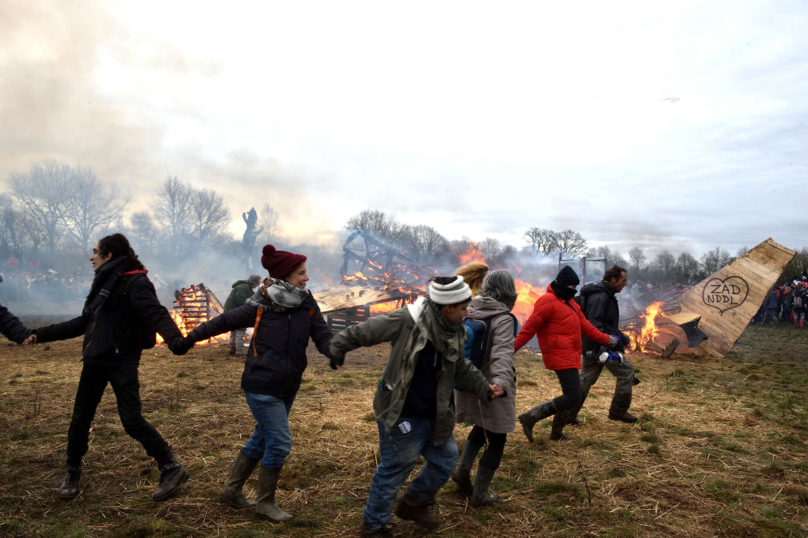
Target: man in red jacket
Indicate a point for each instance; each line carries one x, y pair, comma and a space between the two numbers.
557, 321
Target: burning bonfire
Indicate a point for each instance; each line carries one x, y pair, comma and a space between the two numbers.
193, 306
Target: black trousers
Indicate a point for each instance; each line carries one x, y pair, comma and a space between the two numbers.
492, 456
124, 380
570, 389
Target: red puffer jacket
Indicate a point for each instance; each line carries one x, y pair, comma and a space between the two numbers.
558, 325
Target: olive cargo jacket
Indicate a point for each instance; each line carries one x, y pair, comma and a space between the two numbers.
398, 329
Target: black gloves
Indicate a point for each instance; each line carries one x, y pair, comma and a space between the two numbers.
180, 346
336, 360
626, 339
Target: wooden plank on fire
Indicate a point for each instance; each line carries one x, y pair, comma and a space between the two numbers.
343, 297
729, 298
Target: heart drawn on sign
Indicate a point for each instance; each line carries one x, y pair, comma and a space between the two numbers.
725, 294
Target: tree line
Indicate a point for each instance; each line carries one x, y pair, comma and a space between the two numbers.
427, 244
55, 210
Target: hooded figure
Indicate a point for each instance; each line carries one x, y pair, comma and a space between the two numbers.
557, 321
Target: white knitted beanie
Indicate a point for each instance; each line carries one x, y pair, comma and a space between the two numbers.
453, 293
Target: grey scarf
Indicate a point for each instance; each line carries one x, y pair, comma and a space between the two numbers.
278, 295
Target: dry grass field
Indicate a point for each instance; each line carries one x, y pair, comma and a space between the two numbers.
720, 450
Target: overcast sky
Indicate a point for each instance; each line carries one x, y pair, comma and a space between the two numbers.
680, 125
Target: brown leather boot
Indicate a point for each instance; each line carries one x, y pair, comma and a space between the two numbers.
409, 510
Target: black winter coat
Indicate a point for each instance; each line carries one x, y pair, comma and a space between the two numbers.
276, 358
11, 327
599, 305
122, 327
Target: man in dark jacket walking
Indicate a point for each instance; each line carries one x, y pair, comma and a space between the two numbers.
119, 321
242, 290
599, 305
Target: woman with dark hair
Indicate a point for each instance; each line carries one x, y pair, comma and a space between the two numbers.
492, 423
119, 320
558, 322
285, 315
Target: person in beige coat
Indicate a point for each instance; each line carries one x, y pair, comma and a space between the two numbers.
492, 422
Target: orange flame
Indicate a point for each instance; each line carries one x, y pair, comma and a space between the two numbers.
199, 307
383, 308
649, 331
527, 295
471, 254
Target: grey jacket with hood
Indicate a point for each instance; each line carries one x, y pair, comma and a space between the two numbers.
498, 416
399, 328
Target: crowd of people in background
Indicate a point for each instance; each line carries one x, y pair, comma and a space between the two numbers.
786, 303
47, 285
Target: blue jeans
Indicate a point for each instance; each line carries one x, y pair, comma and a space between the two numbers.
399, 453
271, 441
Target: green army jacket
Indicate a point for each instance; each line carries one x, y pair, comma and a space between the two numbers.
399, 328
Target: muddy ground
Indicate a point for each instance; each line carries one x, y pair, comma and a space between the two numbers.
720, 450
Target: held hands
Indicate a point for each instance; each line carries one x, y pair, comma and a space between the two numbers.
613, 340
495, 391
337, 360
29, 341
180, 346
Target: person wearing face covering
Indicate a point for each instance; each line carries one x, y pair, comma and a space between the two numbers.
284, 315
558, 322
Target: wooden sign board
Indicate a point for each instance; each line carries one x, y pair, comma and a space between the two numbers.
730, 297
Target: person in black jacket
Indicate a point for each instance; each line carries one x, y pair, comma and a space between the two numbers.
12, 328
285, 316
599, 305
119, 321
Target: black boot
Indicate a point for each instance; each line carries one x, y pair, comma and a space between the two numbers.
172, 476
69, 488
536, 414
232, 493
481, 496
266, 507
622, 416
409, 510
462, 473
557, 431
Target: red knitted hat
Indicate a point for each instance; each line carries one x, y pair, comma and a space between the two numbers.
279, 263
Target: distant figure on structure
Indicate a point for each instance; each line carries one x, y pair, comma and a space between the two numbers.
242, 290
250, 219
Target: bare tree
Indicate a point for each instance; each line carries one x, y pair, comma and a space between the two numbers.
210, 216
715, 259
664, 264
376, 223
686, 266
91, 207
637, 257
570, 242
12, 228
540, 240
427, 242
144, 233
490, 249
174, 211
41, 195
